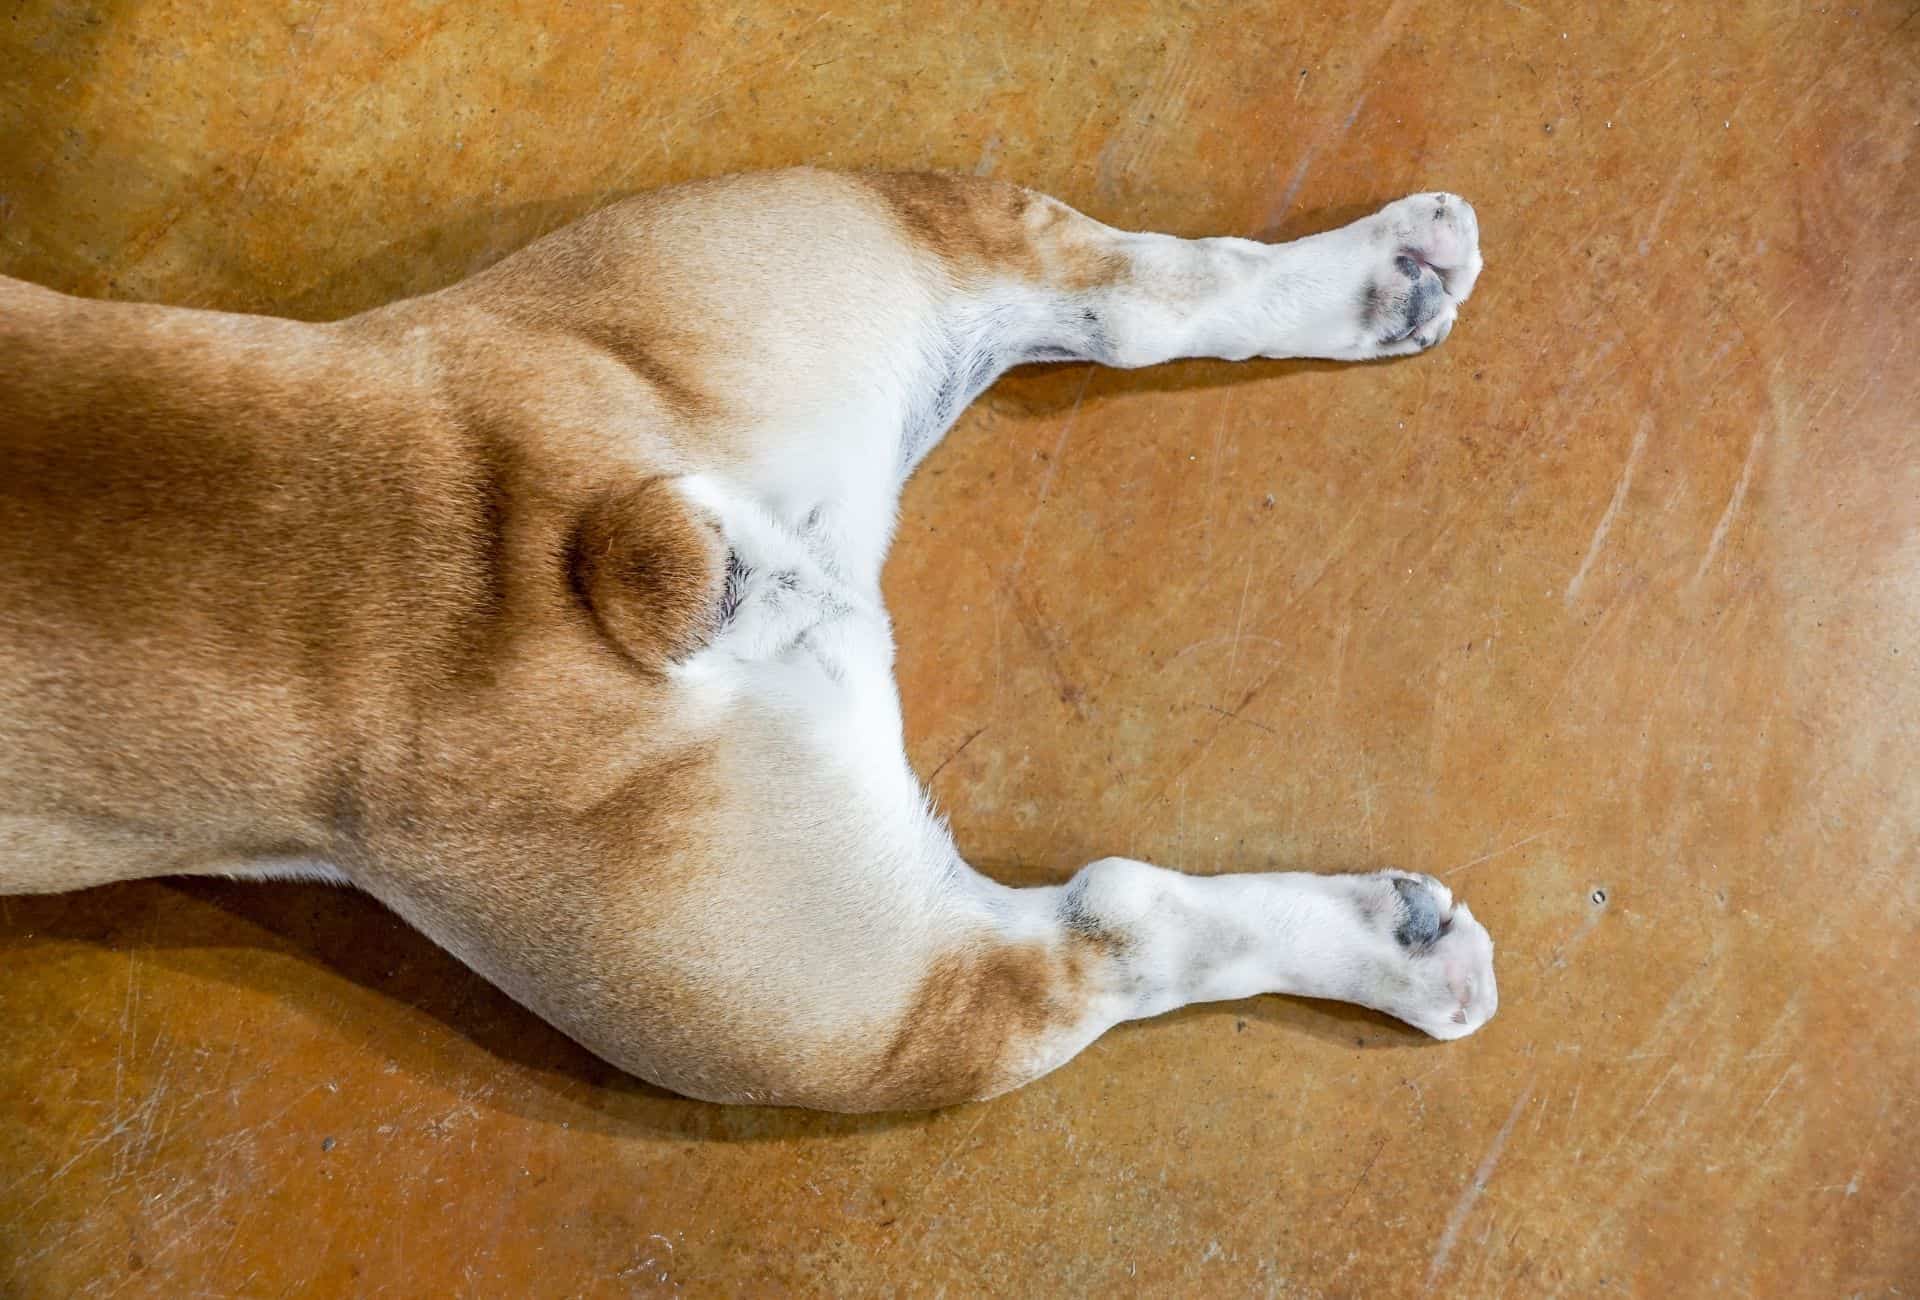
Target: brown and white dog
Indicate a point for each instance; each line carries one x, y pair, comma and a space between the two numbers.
547, 610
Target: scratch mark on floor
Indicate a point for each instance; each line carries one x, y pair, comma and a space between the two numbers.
971, 737
1463, 1207
1666, 202
933, 1176
1339, 661
1215, 708
1209, 642
1613, 509
1369, 55
1635, 1117
1362, 1178
1213, 483
1069, 691
1046, 480
1284, 203
989, 154
1487, 857
1239, 625
1781, 1082
1033, 520
1721, 528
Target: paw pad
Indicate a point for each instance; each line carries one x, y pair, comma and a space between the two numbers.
1428, 259
1421, 924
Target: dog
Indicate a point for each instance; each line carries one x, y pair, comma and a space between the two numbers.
546, 609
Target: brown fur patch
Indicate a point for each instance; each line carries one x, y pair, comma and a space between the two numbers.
968, 1019
1075, 251
970, 223
649, 571
977, 225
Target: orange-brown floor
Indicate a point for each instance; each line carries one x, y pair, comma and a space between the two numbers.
1605, 611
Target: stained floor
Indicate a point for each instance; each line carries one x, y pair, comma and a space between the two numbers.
1605, 612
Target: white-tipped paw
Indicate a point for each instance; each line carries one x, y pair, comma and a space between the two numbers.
1435, 968
1421, 256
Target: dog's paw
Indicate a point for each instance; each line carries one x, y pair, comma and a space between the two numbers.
1417, 260
1435, 966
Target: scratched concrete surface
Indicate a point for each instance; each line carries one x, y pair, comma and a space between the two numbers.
1605, 612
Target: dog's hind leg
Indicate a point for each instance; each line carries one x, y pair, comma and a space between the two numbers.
823, 944
1030, 279
809, 336
1009, 984
1124, 940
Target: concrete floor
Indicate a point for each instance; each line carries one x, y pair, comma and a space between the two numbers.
1605, 612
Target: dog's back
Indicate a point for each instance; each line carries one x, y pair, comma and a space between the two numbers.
161, 475
240, 560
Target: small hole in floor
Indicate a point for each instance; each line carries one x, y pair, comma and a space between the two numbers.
1599, 897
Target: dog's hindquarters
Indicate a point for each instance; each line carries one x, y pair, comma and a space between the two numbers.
817, 334
688, 835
